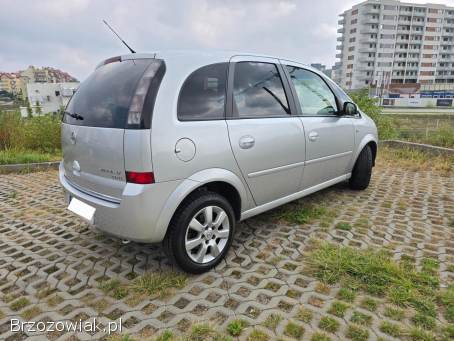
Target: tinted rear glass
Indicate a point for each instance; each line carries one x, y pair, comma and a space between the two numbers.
202, 96
104, 98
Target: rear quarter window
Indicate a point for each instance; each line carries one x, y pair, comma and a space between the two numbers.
202, 96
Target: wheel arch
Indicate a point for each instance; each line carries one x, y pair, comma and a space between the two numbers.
220, 181
368, 140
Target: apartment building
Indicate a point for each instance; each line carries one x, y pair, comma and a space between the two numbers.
46, 75
388, 41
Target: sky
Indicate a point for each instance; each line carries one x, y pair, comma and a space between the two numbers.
70, 35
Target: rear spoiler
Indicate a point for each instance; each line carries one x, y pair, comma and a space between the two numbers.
126, 57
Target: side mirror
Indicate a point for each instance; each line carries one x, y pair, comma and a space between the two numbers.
350, 109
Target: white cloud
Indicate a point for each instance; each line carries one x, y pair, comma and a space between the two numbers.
70, 34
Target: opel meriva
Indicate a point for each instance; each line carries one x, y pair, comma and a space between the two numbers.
176, 147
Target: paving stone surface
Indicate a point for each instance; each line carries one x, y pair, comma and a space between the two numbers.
52, 263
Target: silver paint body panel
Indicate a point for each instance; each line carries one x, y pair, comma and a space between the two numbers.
282, 164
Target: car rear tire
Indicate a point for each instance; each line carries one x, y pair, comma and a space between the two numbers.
200, 232
362, 171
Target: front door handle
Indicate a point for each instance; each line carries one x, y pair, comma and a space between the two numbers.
313, 136
246, 142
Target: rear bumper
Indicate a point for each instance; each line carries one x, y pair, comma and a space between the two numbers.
133, 217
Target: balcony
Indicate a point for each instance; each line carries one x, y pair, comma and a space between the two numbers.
370, 20
367, 50
368, 30
339, 55
371, 10
341, 38
341, 30
341, 22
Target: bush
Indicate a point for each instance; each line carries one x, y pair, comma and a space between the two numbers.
386, 129
41, 133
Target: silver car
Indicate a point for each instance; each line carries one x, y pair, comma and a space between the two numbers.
177, 146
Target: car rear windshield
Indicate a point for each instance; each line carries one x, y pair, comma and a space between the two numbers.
104, 98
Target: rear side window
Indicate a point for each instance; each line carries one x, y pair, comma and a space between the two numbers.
314, 95
104, 99
258, 91
202, 96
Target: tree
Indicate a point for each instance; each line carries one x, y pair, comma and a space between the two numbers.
39, 111
385, 126
29, 109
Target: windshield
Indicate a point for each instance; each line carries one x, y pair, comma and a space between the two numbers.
104, 98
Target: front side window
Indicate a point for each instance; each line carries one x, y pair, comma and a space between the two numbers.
202, 96
314, 96
258, 91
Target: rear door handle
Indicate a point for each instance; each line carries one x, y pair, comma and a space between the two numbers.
247, 142
313, 136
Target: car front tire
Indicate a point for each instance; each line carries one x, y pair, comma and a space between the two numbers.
201, 232
362, 171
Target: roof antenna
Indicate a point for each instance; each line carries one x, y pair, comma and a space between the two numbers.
129, 47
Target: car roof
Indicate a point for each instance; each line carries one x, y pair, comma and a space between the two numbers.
206, 55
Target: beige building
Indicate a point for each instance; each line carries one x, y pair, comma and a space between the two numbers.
13, 83
16, 82
46, 75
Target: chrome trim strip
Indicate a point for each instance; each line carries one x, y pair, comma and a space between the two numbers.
329, 157
274, 170
92, 193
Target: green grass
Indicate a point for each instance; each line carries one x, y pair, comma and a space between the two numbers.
446, 300
390, 328
360, 318
236, 327
415, 159
374, 271
317, 336
294, 330
338, 309
328, 324
304, 315
357, 333
272, 321
13, 156
369, 304
424, 321
394, 313
346, 294
418, 334
19, 304
202, 332
301, 214
159, 284
448, 332
258, 335
343, 226
166, 335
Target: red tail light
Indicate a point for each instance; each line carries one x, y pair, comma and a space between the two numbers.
142, 178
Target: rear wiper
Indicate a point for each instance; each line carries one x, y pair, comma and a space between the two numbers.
75, 115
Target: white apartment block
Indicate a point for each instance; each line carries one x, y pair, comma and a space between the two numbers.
389, 41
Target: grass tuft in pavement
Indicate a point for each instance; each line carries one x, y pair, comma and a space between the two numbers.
368, 268
236, 327
338, 309
294, 330
328, 324
159, 284
357, 333
317, 336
